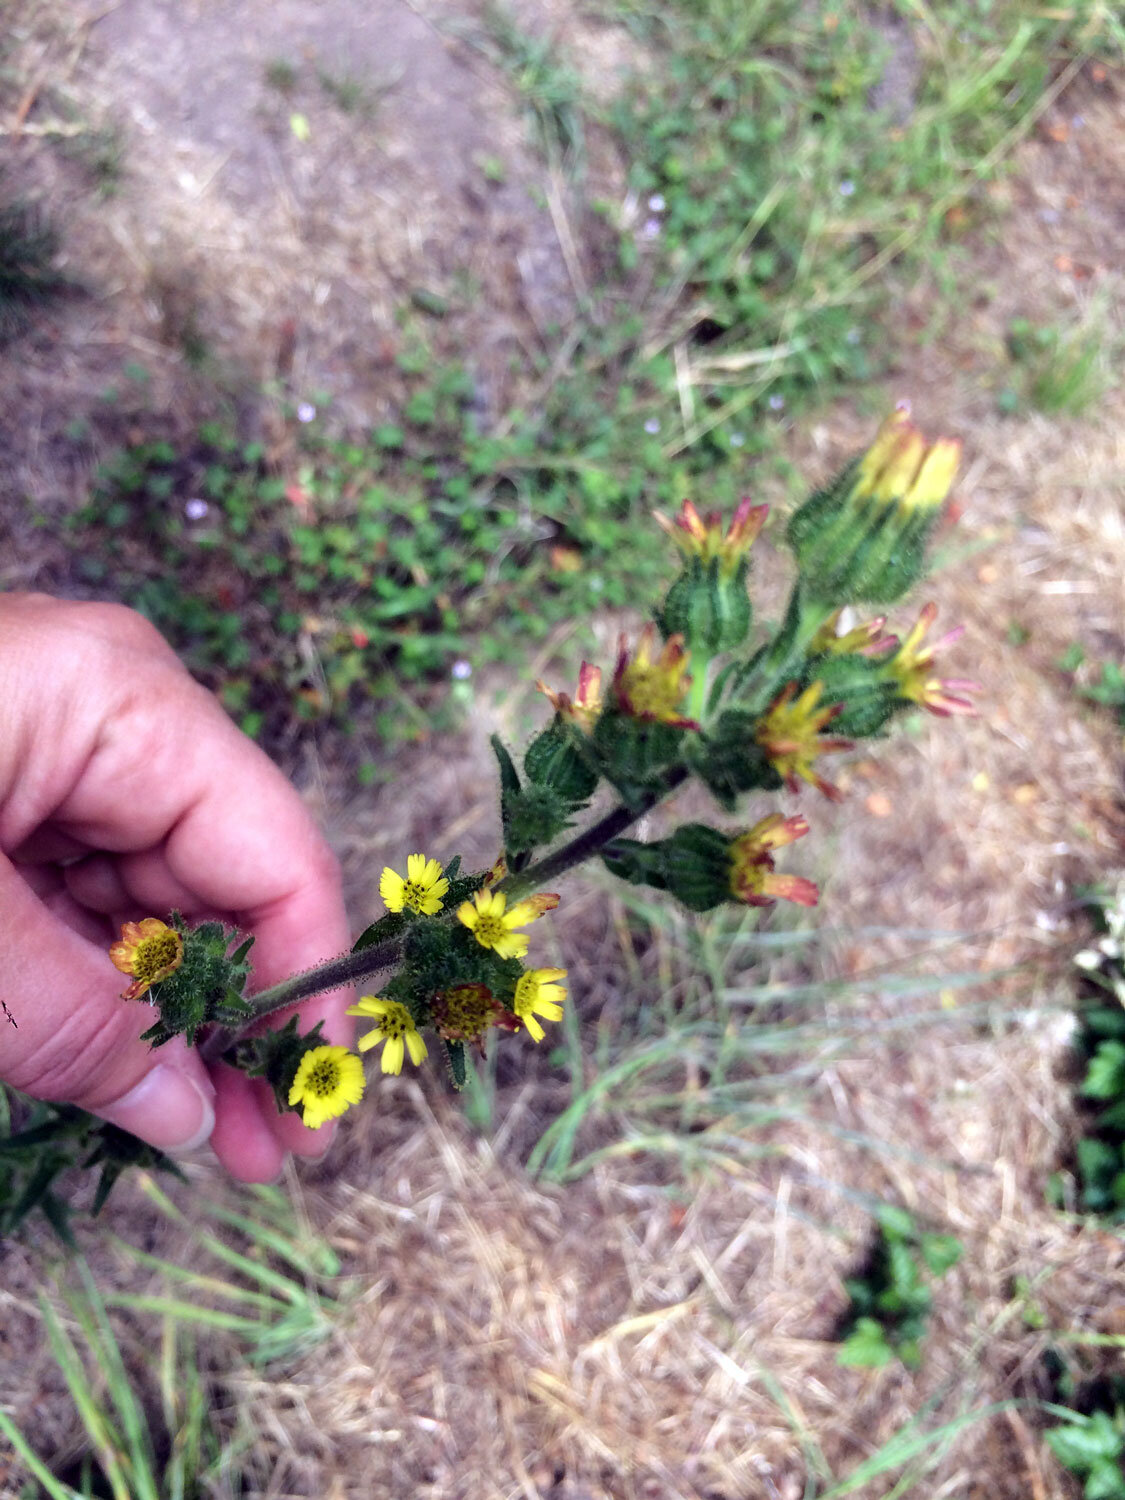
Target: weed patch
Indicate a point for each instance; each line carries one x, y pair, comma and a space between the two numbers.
890, 1298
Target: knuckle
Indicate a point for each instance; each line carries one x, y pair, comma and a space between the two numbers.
79, 1064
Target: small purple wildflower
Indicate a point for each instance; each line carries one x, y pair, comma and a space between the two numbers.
652, 426
306, 412
196, 509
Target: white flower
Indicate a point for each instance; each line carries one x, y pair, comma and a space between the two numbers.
196, 509
656, 203
306, 412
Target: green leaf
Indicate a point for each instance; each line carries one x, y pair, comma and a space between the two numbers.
866, 1347
1086, 1442
941, 1252
1105, 1077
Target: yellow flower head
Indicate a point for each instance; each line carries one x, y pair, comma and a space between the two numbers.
420, 892
696, 537
752, 877
329, 1080
149, 950
790, 735
585, 707
900, 467
537, 994
396, 1030
651, 688
493, 925
464, 1012
911, 667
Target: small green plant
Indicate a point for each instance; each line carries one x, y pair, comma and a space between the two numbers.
281, 75
1107, 688
891, 1299
1092, 1447
29, 244
547, 85
1098, 1175
38, 1142
1060, 371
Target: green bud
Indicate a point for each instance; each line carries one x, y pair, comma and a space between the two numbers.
860, 684
862, 539
533, 816
207, 988
554, 759
712, 612
634, 752
275, 1056
694, 865
730, 760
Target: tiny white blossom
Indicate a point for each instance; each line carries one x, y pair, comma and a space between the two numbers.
461, 670
196, 509
306, 412
736, 439
651, 229
652, 425
847, 187
656, 203
776, 402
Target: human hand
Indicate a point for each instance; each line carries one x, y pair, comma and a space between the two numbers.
125, 791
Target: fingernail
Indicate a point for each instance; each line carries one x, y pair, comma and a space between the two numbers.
167, 1109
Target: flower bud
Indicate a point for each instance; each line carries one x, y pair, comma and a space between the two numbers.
863, 537
708, 604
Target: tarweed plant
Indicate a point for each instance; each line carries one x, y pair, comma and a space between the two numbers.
703, 693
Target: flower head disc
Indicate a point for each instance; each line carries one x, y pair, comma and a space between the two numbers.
790, 735
464, 1012
149, 950
422, 890
911, 669
704, 539
329, 1081
396, 1030
899, 467
487, 917
586, 705
538, 994
752, 878
651, 688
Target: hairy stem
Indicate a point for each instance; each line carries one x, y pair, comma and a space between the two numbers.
349, 968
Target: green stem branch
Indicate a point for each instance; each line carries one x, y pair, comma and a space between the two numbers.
350, 968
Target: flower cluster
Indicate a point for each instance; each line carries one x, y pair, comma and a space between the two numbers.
462, 978
703, 694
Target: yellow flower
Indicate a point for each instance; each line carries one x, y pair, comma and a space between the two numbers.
150, 950
651, 688
911, 668
900, 466
537, 994
420, 892
704, 539
487, 918
790, 735
752, 877
396, 1030
585, 707
329, 1080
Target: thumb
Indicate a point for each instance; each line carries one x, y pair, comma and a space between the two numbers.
68, 1036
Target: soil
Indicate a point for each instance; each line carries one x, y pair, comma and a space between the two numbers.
609, 1338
